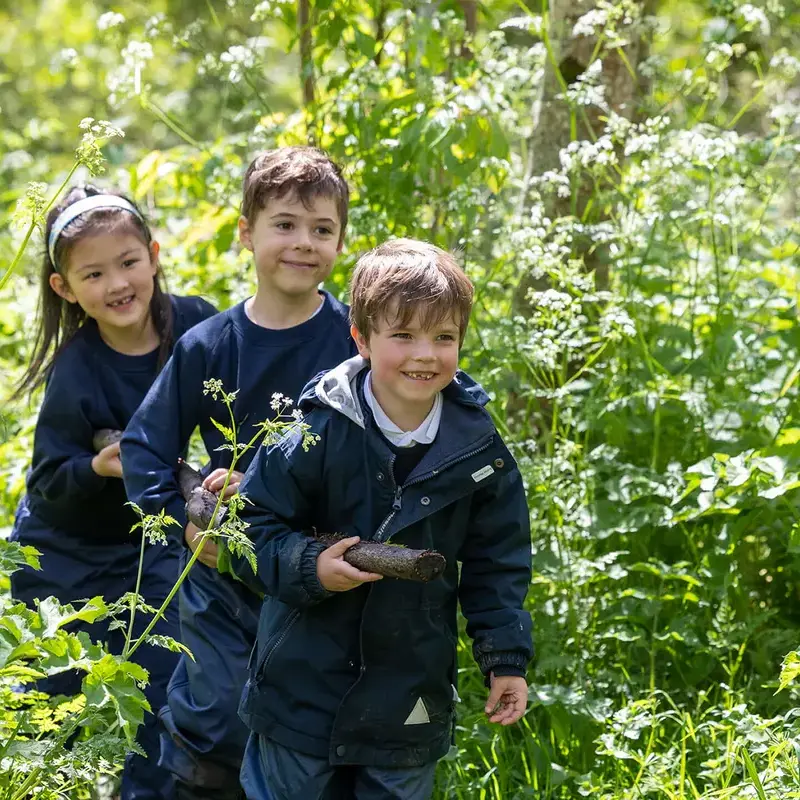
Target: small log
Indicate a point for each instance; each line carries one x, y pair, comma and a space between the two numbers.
390, 560
200, 503
105, 437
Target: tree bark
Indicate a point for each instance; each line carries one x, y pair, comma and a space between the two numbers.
380, 31
200, 503
391, 561
570, 57
306, 51
470, 9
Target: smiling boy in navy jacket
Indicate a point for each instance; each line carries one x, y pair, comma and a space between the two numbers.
352, 684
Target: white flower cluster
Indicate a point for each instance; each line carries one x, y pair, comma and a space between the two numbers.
111, 19
126, 79
751, 18
615, 323
786, 66
607, 20
279, 402
719, 56
701, 146
100, 128
268, 10
587, 89
591, 23
66, 58
156, 25
588, 155
238, 60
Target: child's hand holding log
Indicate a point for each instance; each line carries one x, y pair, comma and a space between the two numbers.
106, 444
346, 563
378, 559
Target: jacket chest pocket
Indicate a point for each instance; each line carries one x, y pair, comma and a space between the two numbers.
275, 641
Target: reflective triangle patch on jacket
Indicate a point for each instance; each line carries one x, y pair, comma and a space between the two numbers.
418, 715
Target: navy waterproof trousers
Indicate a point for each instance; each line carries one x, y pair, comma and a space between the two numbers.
204, 739
273, 772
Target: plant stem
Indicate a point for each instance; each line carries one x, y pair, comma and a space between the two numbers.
32, 226
134, 599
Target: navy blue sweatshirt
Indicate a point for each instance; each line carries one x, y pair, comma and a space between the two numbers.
255, 361
92, 386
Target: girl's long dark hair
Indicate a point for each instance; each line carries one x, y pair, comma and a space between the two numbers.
58, 320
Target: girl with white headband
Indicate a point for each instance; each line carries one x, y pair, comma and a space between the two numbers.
105, 329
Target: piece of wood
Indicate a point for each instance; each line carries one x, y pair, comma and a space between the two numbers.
390, 560
105, 437
200, 503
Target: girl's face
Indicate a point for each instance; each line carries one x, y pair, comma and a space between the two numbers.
110, 276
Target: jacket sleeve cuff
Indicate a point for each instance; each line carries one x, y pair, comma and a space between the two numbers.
308, 572
505, 660
506, 670
85, 476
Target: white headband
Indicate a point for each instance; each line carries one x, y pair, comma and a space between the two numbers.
74, 210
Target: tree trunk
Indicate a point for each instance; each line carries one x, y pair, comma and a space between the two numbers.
571, 55
306, 51
380, 31
470, 9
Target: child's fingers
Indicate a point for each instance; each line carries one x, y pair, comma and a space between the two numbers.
495, 696
351, 573
111, 450
209, 552
341, 547
509, 709
215, 480
504, 712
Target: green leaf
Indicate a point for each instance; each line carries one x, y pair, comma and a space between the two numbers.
753, 774
225, 431
790, 669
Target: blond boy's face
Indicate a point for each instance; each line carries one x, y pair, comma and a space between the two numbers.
410, 364
294, 247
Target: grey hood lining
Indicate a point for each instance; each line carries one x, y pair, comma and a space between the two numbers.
337, 389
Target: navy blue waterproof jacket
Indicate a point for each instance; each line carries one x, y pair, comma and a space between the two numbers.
91, 387
368, 676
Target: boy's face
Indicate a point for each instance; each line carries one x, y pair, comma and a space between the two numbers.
410, 364
294, 247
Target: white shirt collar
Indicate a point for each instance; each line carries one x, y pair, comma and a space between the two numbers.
424, 434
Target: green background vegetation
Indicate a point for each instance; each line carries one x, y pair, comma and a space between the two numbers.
620, 179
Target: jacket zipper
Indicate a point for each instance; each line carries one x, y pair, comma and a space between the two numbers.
291, 619
397, 503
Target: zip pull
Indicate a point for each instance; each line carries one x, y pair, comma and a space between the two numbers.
397, 502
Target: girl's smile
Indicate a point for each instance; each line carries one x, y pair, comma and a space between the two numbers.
110, 275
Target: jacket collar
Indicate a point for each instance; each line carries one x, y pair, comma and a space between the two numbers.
465, 424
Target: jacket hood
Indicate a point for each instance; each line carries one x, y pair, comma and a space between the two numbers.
337, 389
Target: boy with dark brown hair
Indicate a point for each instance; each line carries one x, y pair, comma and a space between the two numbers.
294, 215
